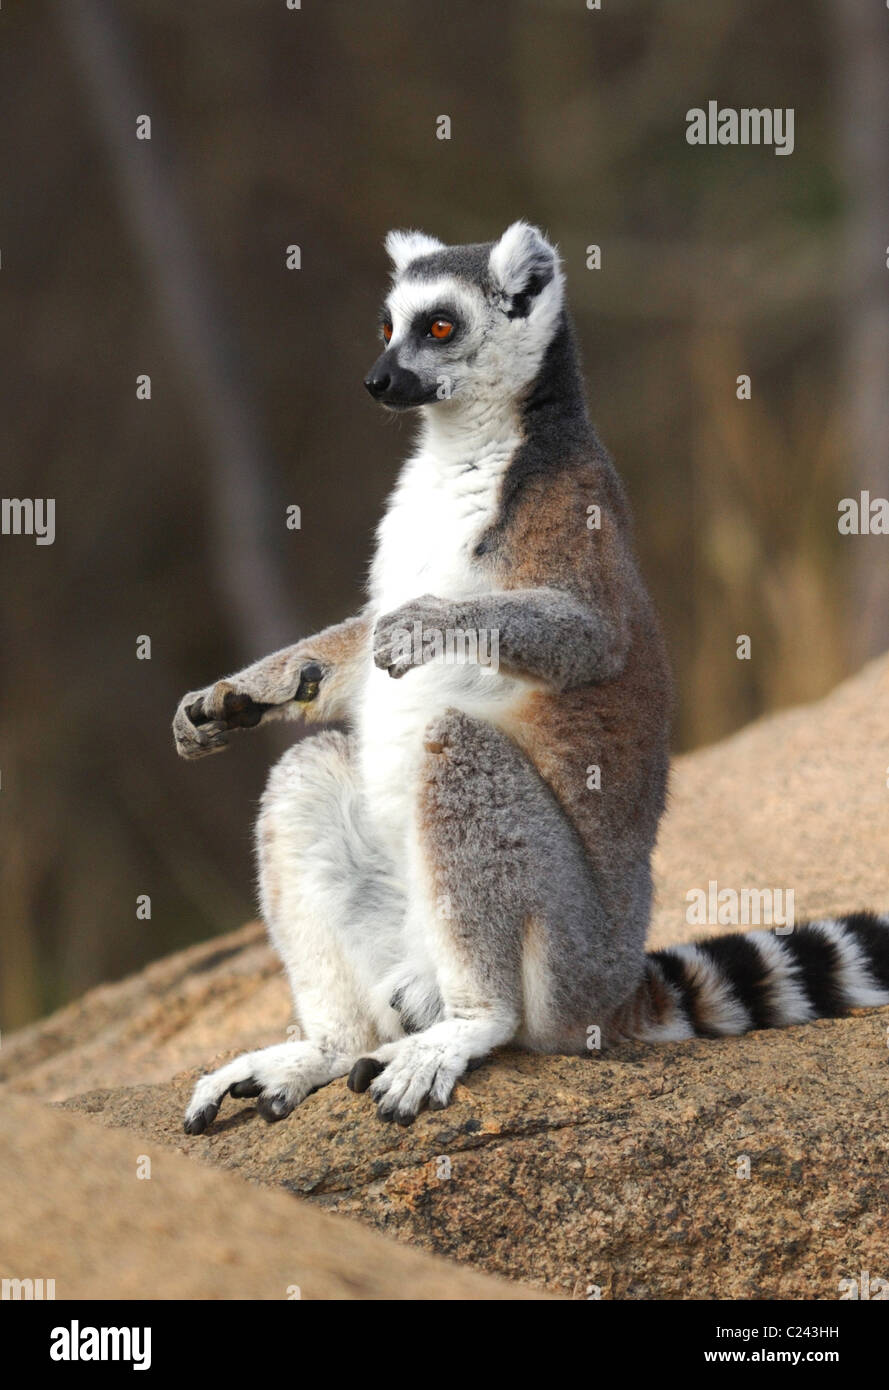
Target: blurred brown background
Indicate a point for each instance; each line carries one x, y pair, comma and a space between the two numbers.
316, 127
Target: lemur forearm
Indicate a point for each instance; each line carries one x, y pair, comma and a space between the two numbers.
316, 680
549, 634
276, 680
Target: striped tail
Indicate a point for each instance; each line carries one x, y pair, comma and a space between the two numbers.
732, 984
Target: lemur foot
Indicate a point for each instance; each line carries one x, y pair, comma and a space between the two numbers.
422, 1069
278, 1078
416, 1000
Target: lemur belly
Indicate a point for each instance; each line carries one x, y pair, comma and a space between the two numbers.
425, 546
394, 716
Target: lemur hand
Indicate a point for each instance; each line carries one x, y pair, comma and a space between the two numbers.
205, 717
410, 635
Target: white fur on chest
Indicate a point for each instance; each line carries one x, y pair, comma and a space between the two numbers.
435, 517
437, 514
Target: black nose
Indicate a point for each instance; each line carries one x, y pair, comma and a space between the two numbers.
378, 384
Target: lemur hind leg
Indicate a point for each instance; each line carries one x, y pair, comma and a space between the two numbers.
335, 917
520, 942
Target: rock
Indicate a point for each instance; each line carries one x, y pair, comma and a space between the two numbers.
798, 800
617, 1173
178, 1012
620, 1172
72, 1209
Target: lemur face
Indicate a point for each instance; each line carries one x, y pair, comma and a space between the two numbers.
465, 323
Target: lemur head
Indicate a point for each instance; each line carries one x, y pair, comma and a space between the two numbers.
466, 323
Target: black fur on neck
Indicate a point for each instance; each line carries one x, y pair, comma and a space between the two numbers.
556, 427
556, 397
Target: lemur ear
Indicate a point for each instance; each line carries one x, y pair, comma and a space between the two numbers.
521, 263
404, 247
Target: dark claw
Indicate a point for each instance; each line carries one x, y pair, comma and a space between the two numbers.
365, 1070
404, 1119
204, 1117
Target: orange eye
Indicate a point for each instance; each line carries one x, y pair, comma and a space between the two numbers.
387, 332
441, 328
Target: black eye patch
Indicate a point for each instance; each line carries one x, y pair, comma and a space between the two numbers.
420, 324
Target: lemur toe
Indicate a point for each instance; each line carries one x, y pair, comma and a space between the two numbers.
396, 1111
195, 711
418, 1004
246, 1090
239, 711
365, 1070
199, 1121
274, 1107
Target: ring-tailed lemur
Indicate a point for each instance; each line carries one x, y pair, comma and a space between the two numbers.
469, 865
